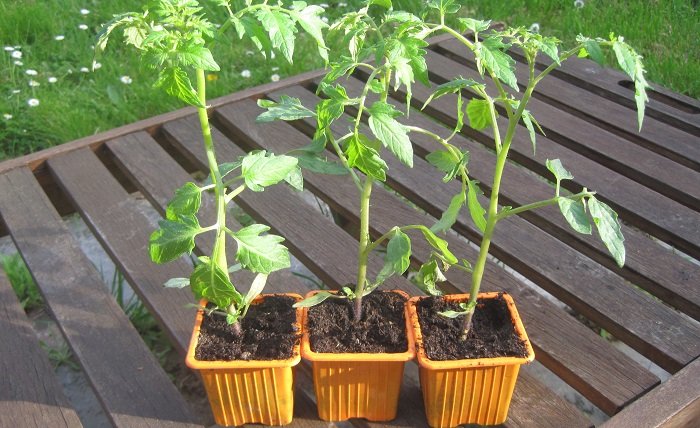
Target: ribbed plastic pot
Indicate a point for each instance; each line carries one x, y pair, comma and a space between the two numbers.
471, 391
357, 385
241, 392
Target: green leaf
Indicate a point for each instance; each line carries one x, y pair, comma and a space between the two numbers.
339, 69
490, 54
558, 170
310, 20
442, 160
390, 132
626, 57
449, 217
549, 45
631, 62
295, 179
186, 201
212, 283
530, 124
575, 213
316, 299
397, 257
177, 283
427, 278
475, 209
318, 164
376, 86
479, 114
197, 56
262, 254
362, 155
173, 238
386, 4
256, 287
593, 49
107, 29
451, 87
225, 169
445, 7
609, 229
456, 167
257, 35
438, 244
281, 29
473, 25
287, 109
175, 81
452, 314
259, 170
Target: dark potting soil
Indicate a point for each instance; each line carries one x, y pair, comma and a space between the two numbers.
269, 333
382, 328
492, 333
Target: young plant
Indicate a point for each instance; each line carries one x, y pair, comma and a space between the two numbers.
395, 40
495, 65
174, 37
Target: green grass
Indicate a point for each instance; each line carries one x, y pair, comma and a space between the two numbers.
80, 104
22, 282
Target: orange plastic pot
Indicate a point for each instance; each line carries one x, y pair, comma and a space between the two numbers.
471, 391
356, 385
240, 392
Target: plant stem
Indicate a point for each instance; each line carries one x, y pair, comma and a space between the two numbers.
364, 243
219, 251
544, 203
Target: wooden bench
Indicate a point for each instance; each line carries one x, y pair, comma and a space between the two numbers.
566, 287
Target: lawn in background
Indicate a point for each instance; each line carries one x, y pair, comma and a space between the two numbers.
49, 92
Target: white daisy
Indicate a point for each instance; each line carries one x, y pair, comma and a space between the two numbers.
84, 12
535, 27
83, 27
324, 5
84, 70
33, 102
59, 37
31, 72
324, 19
96, 65
249, 53
272, 55
126, 80
578, 4
19, 63
275, 77
342, 4
9, 48
52, 79
16, 54
7, 116
33, 83
16, 91
275, 68
245, 73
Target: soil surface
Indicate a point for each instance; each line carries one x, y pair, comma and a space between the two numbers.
492, 333
382, 328
269, 333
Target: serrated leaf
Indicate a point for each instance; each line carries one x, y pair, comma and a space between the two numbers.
173, 238
280, 28
397, 257
442, 160
549, 46
315, 163
257, 35
260, 170
212, 283
456, 167
107, 29
479, 114
376, 86
186, 201
476, 211
626, 58
256, 287
361, 155
315, 299
390, 132
177, 283
575, 213
427, 278
197, 57
386, 4
558, 170
295, 179
449, 217
438, 244
339, 69
452, 314
225, 169
530, 124
175, 81
605, 219
473, 25
310, 20
262, 254
594, 51
288, 108
490, 54
451, 87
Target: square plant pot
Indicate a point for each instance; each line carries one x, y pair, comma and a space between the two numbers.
357, 385
248, 391
468, 391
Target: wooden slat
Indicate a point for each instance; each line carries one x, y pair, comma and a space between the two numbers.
591, 290
656, 135
674, 403
321, 243
573, 351
30, 395
126, 377
657, 269
606, 148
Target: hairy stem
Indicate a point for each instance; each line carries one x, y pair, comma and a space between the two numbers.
363, 255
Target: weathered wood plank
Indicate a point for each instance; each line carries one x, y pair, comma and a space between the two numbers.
655, 171
30, 395
657, 269
674, 403
126, 377
316, 239
574, 352
656, 135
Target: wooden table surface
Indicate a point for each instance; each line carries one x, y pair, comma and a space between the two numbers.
566, 287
